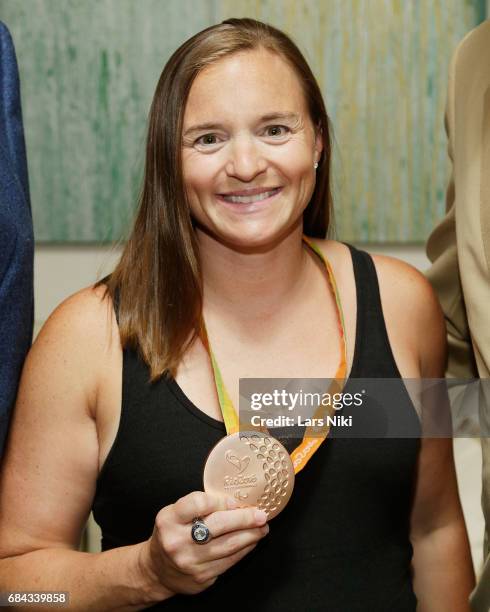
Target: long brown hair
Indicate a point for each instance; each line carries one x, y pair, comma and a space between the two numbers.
157, 282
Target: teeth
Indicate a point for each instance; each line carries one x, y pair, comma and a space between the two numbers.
250, 199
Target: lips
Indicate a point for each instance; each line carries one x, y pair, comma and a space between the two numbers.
250, 196
251, 191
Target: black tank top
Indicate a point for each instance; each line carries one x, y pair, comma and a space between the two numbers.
341, 544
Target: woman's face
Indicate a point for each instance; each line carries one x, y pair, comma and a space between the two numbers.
248, 149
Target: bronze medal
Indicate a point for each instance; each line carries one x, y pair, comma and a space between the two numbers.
252, 467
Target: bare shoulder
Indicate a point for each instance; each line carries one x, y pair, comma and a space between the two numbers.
89, 309
77, 337
412, 310
401, 284
86, 317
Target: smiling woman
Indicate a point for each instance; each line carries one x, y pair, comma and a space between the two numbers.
123, 407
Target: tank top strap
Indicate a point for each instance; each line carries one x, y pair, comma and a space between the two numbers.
373, 356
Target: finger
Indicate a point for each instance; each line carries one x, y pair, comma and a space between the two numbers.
213, 569
226, 521
197, 504
231, 543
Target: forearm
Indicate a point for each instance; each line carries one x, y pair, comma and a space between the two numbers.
443, 569
110, 580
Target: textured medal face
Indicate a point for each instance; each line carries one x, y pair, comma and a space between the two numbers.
253, 468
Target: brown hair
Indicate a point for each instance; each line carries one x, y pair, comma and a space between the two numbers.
157, 282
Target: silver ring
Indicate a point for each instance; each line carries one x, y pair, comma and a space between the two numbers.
200, 532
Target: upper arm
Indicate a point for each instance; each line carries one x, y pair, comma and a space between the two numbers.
415, 319
51, 462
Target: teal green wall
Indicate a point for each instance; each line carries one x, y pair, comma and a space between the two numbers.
89, 68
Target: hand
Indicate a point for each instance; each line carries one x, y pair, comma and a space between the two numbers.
172, 558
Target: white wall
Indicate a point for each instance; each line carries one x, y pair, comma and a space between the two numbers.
60, 271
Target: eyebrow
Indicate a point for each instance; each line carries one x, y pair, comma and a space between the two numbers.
269, 117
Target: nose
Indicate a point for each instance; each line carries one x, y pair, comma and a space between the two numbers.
246, 160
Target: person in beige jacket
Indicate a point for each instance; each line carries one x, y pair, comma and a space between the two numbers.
459, 247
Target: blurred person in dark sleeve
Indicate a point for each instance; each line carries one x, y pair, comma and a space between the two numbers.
16, 236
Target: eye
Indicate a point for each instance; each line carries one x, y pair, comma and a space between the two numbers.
206, 140
277, 129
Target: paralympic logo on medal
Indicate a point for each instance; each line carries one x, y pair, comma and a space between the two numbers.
239, 480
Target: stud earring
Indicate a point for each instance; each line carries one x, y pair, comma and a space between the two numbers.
315, 165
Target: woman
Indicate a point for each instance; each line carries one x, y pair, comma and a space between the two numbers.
118, 407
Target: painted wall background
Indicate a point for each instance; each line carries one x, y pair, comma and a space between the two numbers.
89, 69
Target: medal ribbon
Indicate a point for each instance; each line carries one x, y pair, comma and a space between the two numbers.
312, 440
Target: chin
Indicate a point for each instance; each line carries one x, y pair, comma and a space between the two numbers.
252, 239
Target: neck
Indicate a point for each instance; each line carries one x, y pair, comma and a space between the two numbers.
252, 284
